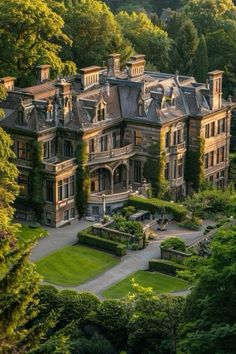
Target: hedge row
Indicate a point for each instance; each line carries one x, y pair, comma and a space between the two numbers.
156, 205
160, 265
92, 240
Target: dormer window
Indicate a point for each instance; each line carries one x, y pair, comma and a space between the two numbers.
20, 118
101, 112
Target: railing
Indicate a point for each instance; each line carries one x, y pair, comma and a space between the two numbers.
111, 153
24, 163
110, 198
60, 166
177, 148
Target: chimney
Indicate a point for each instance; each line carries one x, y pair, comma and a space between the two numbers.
215, 89
90, 76
8, 82
136, 65
113, 65
43, 73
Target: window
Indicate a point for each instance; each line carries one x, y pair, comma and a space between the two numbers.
68, 148
167, 139
72, 213
66, 215
180, 168
177, 136
66, 188
115, 140
209, 130
221, 126
209, 159
20, 118
23, 151
104, 143
24, 185
137, 137
220, 154
101, 114
220, 179
167, 171
137, 171
91, 146
175, 169
49, 191
46, 150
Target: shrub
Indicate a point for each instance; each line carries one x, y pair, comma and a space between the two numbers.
169, 267
131, 227
174, 243
194, 224
88, 239
128, 211
155, 205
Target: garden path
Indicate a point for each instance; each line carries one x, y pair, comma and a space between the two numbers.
133, 261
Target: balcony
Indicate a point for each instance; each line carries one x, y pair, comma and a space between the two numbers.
110, 198
177, 149
56, 166
111, 155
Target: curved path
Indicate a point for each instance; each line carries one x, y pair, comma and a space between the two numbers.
133, 261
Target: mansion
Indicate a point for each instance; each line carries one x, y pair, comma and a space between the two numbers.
119, 114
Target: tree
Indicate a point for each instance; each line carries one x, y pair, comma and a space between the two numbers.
95, 33
184, 48
146, 37
205, 14
31, 33
209, 313
18, 279
200, 61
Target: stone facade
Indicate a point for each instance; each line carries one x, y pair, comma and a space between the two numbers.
120, 114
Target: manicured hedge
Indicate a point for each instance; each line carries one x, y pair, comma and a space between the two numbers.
92, 240
156, 205
160, 265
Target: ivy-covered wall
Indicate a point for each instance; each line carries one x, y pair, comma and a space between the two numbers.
36, 199
82, 178
194, 170
154, 169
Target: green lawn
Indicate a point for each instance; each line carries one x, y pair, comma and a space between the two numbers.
26, 233
73, 265
160, 283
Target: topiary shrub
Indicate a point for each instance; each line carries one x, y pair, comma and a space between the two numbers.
128, 211
169, 267
174, 243
115, 247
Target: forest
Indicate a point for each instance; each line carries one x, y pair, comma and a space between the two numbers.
197, 37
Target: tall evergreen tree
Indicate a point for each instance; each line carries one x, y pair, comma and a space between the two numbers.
200, 62
18, 279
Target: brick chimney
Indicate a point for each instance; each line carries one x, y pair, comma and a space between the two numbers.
136, 65
8, 82
90, 76
215, 89
113, 65
43, 73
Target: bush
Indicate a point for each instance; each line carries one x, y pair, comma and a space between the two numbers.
128, 211
88, 239
174, 243
169, 267
131, 227
191, 224
155, 205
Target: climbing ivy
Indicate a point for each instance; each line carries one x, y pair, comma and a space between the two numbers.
82, 178
154, 169
194, 171
36, 180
